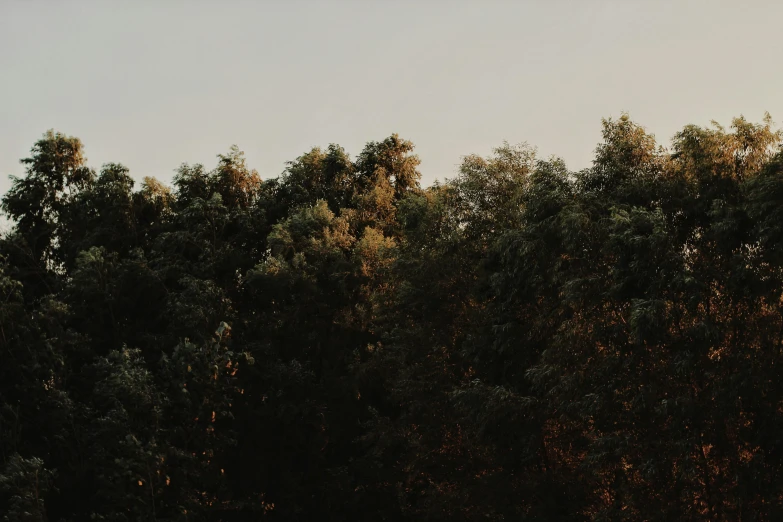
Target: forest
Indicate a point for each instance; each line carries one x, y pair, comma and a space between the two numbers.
520, 342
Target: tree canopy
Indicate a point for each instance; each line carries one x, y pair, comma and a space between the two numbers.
338, 343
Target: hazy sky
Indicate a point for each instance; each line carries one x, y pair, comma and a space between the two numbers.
156, 84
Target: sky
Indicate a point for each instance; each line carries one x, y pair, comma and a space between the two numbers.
153, 85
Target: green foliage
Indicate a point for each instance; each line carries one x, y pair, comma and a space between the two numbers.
26, 483
520, 342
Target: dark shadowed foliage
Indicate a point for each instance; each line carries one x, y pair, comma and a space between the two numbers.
521, 342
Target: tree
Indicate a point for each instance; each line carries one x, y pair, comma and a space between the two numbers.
520, 342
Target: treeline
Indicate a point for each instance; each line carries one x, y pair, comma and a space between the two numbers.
520, 342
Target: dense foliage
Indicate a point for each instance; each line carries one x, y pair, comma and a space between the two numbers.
520, 342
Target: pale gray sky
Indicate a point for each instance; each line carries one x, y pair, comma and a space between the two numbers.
154, 84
